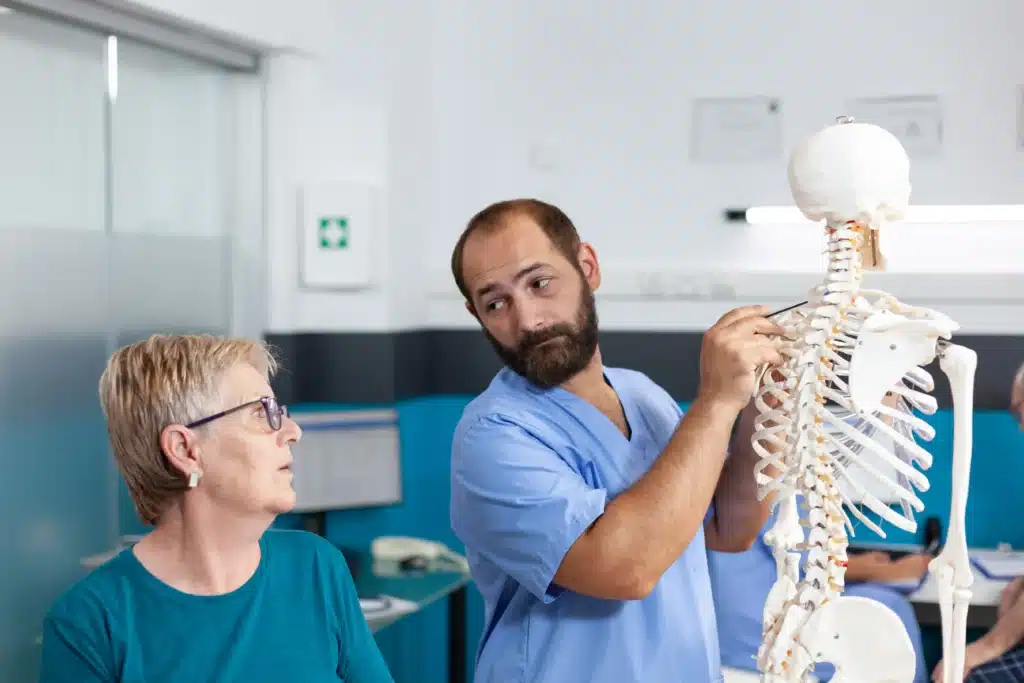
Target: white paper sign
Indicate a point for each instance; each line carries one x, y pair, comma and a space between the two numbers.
916, 120
1020, 117
736, 130
337, 222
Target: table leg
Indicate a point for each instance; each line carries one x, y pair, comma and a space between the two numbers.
457, 636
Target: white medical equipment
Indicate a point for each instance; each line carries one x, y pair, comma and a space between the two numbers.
396, 549
847, 350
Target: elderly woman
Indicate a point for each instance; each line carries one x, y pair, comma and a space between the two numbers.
211, 593
1017, 397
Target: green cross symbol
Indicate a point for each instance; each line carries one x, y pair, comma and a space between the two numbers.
333, 232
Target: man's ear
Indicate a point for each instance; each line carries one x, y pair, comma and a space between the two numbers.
587, 260
472, 310
178, 445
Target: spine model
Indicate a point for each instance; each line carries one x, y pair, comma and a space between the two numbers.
853, 373
819, 333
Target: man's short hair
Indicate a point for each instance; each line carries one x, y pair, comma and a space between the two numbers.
552, 220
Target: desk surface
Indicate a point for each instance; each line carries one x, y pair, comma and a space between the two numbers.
407, 592
985, 592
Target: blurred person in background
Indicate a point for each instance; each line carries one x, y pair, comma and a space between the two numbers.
1017, 397
741, 582
211, 593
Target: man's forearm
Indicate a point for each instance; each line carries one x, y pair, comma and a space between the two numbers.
647, 527
738, 516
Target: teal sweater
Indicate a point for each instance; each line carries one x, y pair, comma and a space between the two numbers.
297, 620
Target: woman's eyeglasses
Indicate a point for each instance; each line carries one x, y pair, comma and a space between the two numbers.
272, 410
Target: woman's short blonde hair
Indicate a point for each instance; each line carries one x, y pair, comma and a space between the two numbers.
165, 380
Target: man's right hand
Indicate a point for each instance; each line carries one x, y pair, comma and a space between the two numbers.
731, 352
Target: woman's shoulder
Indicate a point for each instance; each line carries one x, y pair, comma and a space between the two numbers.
88, 601
298, 541
302, 548
298, 557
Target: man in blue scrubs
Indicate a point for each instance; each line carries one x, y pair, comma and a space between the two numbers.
741, 582
585, 499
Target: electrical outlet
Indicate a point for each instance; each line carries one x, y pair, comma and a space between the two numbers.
651, 286
722, 291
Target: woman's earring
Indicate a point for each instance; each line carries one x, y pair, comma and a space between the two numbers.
193, 479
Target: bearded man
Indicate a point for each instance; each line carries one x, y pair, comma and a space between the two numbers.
585, 498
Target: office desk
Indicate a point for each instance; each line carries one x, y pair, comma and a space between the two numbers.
985, 593
420, 589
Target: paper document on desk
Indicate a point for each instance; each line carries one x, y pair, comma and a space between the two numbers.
999, 564
386, 607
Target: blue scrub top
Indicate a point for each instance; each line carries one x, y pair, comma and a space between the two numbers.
531, 470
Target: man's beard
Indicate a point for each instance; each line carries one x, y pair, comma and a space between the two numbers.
562, 359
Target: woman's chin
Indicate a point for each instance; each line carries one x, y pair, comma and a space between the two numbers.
284, 502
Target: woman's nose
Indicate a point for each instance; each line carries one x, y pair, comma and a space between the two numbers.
290, 430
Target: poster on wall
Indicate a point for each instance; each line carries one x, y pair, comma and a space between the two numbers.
336, 226
736, 130
1020, 117
916, 120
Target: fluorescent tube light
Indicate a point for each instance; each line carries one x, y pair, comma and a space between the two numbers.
934, 214
112, 68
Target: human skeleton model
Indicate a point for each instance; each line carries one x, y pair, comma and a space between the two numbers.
854, 348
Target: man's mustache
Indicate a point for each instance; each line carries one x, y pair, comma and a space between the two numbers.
534, 339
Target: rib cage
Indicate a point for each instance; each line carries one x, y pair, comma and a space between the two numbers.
845, 439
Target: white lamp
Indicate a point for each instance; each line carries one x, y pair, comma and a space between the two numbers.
933, 214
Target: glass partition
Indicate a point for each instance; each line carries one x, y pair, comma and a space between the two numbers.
57, 503
119, 211
171, 147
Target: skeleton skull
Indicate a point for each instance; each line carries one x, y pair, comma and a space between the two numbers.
852, 172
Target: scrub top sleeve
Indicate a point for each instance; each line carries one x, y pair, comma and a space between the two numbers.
517, 504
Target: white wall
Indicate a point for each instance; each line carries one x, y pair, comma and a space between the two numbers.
444, 103
348, 97
607, 90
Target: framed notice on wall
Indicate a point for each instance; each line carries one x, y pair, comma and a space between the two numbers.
736, 130
336, 227
916, 120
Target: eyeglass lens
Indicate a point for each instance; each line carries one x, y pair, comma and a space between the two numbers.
274, 412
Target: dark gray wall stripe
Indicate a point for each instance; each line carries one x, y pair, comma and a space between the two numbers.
374, 368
